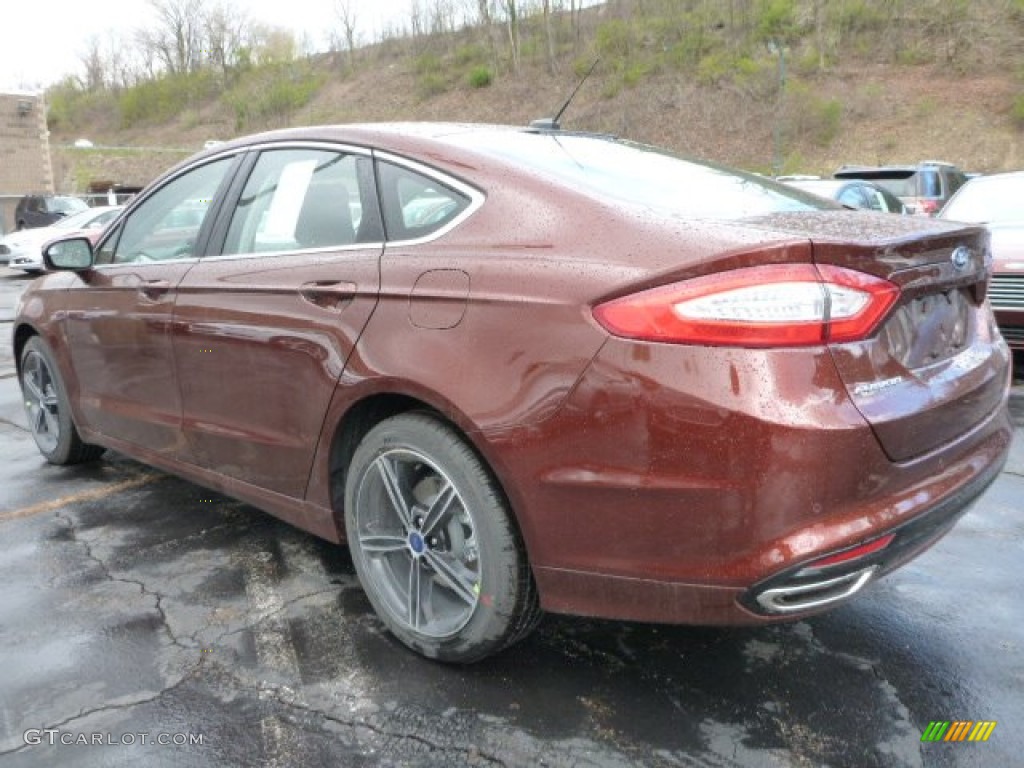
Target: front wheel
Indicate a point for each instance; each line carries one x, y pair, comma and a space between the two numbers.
433, 542
47, 408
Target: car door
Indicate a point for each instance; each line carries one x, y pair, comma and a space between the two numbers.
119, 314
264, 329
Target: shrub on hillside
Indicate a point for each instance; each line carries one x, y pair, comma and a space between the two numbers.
480, 77
272, 92
1017, 111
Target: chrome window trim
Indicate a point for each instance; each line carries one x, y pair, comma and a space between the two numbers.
153, 263
233, 151
332, 146
476, 197
378, 245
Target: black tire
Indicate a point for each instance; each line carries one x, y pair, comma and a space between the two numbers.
48, 409
442, 524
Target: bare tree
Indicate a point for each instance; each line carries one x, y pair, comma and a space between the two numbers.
415, 18
485, 20
345, 10
225, 30
94, 63
549, 35
512, 23
178, 36
149, 57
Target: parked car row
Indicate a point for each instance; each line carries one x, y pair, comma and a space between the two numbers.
853, 193
43, 210
943, 190
24, 249
924, 187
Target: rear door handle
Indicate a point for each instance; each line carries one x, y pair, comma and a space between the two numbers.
329, 294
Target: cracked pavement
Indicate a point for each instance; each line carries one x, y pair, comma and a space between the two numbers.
136, 603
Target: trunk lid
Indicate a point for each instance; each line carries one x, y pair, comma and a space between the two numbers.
936, 366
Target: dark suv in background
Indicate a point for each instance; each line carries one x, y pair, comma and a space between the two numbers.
43, 210
923, 188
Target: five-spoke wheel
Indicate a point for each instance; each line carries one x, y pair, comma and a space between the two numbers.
41, 402
47, 407
433, 542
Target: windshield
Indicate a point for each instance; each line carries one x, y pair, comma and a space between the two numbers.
77, 221
640, 175
988, 199
67, 205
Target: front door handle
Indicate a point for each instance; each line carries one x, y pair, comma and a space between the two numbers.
154, 289
329, 294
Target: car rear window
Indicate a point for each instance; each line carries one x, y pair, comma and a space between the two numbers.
930, 184
645, 176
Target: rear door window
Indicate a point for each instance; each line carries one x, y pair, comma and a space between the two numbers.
302, 199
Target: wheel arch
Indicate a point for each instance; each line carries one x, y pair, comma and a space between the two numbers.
22, 333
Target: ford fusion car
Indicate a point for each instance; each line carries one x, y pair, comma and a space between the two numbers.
519, 370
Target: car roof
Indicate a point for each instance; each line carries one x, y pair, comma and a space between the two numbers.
815, 185
976, 180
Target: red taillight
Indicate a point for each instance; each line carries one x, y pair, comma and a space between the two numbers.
853, 554
927, 206
775, 305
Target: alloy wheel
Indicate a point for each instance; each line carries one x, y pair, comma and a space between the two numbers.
418, 542
41, 401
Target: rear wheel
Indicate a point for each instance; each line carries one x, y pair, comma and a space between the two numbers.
433, 542
47, 408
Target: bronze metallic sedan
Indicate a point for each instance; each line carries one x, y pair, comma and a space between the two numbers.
526, 369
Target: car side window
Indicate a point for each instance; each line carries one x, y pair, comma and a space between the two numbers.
416, 205
852, 196
930, 184
954, 181
300, 199
873, 199
166, 224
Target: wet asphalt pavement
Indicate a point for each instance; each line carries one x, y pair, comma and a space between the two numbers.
135, 607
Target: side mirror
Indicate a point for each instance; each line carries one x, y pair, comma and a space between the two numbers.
74, 253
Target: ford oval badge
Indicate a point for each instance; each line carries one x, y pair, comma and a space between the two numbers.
961, 258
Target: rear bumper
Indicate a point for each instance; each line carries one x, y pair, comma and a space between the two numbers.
654, 600
805, 588
679, 486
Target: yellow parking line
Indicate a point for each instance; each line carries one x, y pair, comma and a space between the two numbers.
83, 496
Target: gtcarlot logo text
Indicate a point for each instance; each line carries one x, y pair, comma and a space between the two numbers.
55, 736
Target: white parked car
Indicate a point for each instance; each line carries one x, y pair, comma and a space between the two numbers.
24, 249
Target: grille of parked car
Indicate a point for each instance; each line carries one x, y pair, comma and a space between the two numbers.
1007, 291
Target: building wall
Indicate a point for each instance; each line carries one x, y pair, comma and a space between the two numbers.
24, 151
